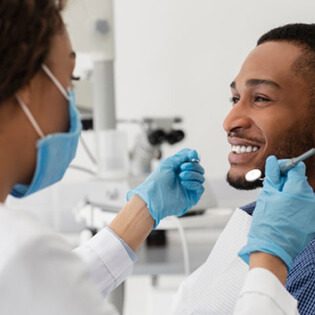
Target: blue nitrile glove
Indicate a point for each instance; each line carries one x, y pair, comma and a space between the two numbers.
174, 187
284, 217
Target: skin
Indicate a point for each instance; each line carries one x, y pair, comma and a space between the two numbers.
50, 109
269, 262
270, 111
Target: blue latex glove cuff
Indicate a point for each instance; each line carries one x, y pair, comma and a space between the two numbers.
144, 196
265, 247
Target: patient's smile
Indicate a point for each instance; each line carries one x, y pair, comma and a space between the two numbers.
240, 149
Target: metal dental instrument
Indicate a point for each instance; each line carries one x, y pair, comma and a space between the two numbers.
255, 174
195, 160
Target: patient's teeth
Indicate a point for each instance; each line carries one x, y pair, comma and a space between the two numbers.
243, 149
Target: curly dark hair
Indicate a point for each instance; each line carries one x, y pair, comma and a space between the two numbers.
26, 30
302, 35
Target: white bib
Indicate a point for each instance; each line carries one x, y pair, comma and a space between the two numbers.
215, 286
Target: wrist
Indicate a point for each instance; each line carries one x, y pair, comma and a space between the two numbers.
148, 199
133, 223
270, 262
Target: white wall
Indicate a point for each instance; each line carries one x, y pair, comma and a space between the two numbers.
178, 57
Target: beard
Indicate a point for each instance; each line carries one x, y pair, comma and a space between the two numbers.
289, 145
242, 184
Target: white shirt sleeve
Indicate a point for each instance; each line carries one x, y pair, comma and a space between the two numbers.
263, 293
108, 259
39, 273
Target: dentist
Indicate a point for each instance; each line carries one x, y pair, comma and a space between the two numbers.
40, 128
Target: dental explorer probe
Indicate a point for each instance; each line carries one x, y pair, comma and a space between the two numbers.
255, 174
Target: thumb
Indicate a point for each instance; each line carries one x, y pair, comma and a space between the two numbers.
272, 172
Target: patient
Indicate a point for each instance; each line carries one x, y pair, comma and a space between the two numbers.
273, 111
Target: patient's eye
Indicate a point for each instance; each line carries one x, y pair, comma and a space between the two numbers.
261, 99
234, 100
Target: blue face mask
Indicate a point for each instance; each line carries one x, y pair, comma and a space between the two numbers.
54, 152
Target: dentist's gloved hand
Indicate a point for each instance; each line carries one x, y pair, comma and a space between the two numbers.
284, 217
174, 187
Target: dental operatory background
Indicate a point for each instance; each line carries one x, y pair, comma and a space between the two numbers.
155, 78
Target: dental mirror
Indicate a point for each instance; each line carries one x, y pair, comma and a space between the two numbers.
253, 175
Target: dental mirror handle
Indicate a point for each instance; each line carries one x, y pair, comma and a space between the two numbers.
293, 162
255, 174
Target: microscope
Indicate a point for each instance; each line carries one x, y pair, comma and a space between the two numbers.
155, 132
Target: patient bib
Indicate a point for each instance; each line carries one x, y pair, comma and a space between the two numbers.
215, 286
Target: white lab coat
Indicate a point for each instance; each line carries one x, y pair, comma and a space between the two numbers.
40, 275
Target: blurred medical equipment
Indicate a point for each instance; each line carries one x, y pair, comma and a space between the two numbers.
155, 132
112, 156
255, 174
114, 181
96, 91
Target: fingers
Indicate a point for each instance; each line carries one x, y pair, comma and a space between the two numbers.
192, 166
181, 157
193, 181
272, 172
196, 186
190, 173
193, 155
297, 171
194, 190
296, 183
185, 155
292, 182
192, 176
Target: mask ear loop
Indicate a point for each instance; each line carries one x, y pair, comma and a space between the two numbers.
28, 112
30, 117
56, 82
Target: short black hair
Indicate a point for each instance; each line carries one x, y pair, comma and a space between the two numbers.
302, 35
